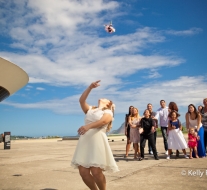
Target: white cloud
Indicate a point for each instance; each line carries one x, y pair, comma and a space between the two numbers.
183, 91
40, 88
37, 80
153, 74
21, 34
86, 58
75, 69
41, 19
63, 44
63, 48
190, 32
29, 86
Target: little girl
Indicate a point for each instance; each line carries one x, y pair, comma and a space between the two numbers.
192, 142
176, 139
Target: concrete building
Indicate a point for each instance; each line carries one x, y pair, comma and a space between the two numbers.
12, 78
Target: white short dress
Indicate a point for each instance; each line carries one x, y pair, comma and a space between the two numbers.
93, 149
176, 140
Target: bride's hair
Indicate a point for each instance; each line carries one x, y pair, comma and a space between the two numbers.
111, 107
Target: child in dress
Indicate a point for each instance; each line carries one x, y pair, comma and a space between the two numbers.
192, 142
176, 139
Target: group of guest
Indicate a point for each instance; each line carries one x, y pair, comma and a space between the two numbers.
138, 129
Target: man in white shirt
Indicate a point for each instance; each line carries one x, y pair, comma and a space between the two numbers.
162, 114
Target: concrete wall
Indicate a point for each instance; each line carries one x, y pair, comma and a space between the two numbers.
12, 78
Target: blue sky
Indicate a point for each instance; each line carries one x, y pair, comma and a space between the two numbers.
157, 52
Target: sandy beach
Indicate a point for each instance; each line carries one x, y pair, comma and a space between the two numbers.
44, 164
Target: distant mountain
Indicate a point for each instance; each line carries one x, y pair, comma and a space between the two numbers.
120, 130
184, 124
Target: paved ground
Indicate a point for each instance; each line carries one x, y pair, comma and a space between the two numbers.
45, 165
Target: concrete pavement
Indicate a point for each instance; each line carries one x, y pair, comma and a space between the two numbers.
45, 165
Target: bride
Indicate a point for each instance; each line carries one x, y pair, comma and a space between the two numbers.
93, 154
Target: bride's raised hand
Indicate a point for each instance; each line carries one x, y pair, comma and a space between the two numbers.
95, 84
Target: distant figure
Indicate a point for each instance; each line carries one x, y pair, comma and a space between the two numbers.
93, 153
2, 138
176, 139
127, 130
134, 120
162, 114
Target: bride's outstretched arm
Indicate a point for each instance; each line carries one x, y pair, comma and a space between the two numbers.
85, 94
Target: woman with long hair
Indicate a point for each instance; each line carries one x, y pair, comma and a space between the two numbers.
193, 120
127, 130
134, 120
93, 153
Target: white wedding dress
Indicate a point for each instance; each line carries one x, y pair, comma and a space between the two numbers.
93, 149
